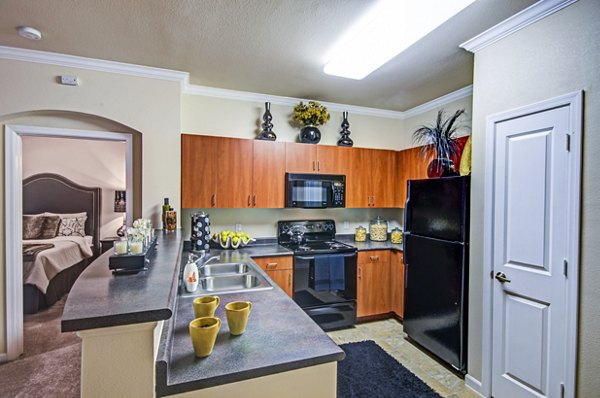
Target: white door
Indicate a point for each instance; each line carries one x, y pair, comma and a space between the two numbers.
529, 254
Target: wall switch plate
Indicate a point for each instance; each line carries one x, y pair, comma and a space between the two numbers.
346, 225
69, 80
238, 227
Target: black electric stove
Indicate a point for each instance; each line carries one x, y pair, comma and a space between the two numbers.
324, 271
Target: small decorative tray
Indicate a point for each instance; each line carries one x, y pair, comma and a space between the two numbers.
131, 263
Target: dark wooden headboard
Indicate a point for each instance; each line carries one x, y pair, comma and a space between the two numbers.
56, 194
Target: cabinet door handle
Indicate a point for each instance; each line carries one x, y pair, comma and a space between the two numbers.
359, 273
254, 200
314, 166
374, 258
213, 200
318, 165
249, 203
373, 201
290, 280
271, 265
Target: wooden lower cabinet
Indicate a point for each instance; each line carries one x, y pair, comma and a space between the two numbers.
397, 283
373, 295
280, 269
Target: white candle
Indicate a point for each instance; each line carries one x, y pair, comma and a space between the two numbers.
120, 247
136, 247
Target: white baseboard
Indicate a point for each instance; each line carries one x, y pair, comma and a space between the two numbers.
3, 357
474, 385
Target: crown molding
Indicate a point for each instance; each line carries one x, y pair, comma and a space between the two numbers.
528, 16
100, 65
439, 102
205, 91
44, 57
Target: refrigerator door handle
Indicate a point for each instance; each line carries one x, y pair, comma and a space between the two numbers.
405, 221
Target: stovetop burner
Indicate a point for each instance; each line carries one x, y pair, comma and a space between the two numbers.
320, 247
311, 236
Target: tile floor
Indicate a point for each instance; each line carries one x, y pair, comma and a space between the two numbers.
388, 335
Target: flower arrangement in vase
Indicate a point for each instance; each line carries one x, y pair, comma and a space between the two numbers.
310, 116
439, 138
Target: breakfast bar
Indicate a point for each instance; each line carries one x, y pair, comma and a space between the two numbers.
135, 339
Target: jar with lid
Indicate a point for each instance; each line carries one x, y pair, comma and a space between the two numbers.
378, 230
396, 235
360, 235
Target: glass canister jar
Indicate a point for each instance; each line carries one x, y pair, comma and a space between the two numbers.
396, 235
360, 235
378, 229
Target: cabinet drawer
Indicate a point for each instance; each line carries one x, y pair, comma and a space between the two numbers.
274, 263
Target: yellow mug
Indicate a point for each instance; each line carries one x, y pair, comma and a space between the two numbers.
205, 306
237, 316
204, 333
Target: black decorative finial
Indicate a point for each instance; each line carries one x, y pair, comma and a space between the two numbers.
267, 127
345, 140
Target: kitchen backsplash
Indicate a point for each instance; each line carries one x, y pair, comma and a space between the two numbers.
261, 223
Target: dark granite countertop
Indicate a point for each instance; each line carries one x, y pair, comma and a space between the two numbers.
279, 337
100, 299
368, 244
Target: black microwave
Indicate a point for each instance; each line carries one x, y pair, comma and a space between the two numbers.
313, 191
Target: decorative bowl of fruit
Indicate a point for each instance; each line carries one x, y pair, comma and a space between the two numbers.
231, 240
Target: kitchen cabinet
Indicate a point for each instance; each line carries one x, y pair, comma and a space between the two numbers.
323, 159
373, 283
199, 169
280, 269
218, 172
371, 181
397, 283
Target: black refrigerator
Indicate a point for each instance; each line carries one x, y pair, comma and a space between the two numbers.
436, 251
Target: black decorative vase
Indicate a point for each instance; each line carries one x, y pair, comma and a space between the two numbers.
441, 168
309, 134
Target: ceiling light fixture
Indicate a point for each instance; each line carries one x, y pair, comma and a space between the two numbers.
29, 33
387, 30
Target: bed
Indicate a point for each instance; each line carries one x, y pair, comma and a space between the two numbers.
51, 265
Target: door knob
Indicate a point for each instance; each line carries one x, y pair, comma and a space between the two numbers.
502, 278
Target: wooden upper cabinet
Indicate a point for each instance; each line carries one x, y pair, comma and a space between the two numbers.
199, 171
373, 283
371, 181
411, 166
234, 189
268, 182
300, 158
333, 159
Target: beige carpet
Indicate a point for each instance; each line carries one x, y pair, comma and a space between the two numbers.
50, 366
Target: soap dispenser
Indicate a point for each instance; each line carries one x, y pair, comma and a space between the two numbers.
190, 276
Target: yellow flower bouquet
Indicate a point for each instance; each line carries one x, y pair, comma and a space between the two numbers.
311, 113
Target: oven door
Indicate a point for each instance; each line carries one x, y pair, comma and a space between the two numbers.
324, 279
308, 193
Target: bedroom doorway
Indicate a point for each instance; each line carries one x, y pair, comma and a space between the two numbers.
13, 180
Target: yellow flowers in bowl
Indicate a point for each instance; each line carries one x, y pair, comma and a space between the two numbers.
231, 240
311, 113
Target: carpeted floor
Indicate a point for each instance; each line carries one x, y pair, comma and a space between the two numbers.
51, 362
368, 371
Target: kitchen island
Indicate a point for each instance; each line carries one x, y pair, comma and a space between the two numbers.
135, 341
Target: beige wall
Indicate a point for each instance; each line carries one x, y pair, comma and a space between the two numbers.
555, 56
90, 163
148, 106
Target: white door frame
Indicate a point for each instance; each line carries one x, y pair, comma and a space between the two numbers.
574, 101
13, 194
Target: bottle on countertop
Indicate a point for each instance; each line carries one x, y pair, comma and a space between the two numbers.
165, 209
190, 276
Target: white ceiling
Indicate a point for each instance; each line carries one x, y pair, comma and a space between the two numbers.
265, 46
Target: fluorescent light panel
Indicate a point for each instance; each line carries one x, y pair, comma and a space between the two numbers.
387, 30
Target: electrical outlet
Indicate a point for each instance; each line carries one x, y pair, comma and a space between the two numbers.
69, 80
346, 225
238, 227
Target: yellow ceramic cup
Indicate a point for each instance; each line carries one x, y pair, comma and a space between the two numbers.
204, 333
205, 306
237, 316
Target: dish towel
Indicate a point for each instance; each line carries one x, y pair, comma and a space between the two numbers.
336, 272
320, 280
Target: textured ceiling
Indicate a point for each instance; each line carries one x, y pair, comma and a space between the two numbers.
266, 46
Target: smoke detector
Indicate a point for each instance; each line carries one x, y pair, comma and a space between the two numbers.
29, 33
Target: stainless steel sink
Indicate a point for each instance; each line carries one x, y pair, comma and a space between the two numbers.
229, 282
224, 269
230, 277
